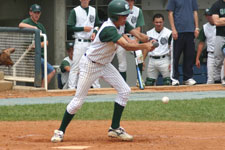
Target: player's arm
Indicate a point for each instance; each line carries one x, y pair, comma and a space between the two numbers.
25, 25
110, 34
140, 21
142, 37
65, 66
145, 53
218, 21
97, 21
129, 40
172, 24
201, 45
72, 22
136, 32
199, 51
126, 43
196, 32
134, 46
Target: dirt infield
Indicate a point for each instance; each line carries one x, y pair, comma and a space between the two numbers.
148, 135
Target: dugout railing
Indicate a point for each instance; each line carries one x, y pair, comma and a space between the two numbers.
27, 61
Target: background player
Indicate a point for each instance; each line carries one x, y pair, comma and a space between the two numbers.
82, 20
208, 35
65, 65
159, 61
96, 63
136, 19
32, 22
218, 15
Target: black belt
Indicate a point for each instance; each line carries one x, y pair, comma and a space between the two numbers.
84, 40
88, 58
211, 52
158, 57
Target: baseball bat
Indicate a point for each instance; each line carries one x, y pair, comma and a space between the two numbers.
155, 44
139, 77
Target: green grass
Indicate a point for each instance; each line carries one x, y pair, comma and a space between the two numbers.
205, 110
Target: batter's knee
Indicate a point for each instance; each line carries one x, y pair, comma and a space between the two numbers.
126, 92
74, 106
123, 96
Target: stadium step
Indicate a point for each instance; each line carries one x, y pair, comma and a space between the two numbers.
5, 85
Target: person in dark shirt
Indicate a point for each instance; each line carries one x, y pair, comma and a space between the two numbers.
218, 15
183, 18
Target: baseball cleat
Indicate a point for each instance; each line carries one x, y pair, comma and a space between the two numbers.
57, 137
175, 83
190, 82
119, 133
223, 81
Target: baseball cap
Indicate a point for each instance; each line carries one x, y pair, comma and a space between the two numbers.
69, 45
207, 12
35, 8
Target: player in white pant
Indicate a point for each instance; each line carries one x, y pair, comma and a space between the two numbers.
136, 19
65, 65
96, 63
82, 20
218, 15
159, 59
208, 35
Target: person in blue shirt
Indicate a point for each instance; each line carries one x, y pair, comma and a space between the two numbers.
183, 18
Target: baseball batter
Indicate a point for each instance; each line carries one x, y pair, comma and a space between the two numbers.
136, 20
82, 21
159, 61
96, 63
208, 35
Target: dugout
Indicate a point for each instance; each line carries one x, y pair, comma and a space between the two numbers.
55, 15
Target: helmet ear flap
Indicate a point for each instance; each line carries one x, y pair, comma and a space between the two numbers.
114, 18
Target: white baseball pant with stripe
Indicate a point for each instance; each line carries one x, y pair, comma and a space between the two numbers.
79, 49
89, 72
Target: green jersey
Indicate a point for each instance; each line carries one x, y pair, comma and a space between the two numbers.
39, 26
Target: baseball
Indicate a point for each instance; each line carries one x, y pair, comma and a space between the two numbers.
165, 99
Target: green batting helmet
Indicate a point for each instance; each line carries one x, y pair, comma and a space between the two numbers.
118, 8
69, 45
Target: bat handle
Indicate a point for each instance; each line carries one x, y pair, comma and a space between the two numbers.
155, 44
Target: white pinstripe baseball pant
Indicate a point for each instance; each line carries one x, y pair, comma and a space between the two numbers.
79, 49
89, 72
